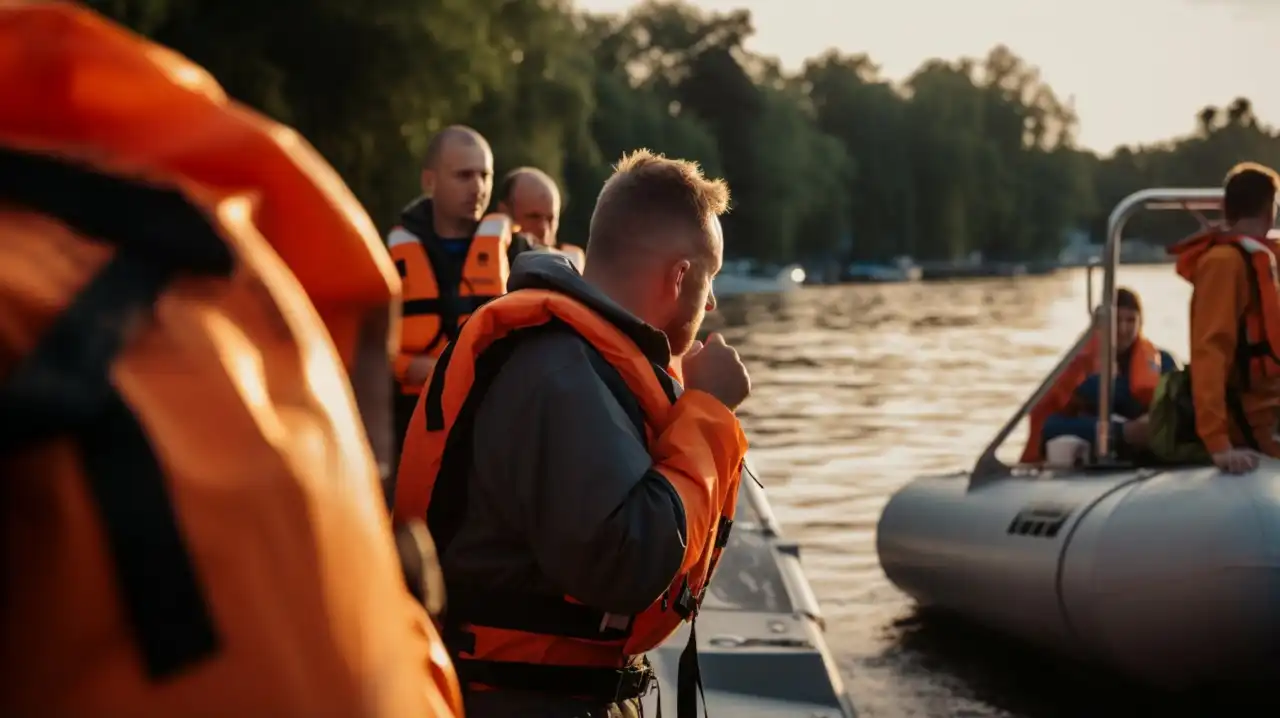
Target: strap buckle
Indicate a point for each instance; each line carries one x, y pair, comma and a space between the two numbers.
614, 621
686, 605
722, 532
635, 681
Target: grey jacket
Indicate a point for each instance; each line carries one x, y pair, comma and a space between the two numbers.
561, 498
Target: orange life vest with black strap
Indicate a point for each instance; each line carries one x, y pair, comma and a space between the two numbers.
189, 301
502, 639
1259, 333
1145, 364
439, 294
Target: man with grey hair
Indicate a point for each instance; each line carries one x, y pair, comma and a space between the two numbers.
530, 197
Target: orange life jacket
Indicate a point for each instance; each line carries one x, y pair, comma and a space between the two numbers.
508, 639
1145, 364
1256, 355
191, 514
431, 315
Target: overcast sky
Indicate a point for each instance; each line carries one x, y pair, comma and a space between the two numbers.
1139, 70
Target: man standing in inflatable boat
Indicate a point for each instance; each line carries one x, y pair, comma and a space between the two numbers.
1235, 323
579, 496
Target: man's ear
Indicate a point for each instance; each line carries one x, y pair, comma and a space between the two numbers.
676, 278
428, 180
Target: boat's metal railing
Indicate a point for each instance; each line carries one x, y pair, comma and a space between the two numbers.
1195, 201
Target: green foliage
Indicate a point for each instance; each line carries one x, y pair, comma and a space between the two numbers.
833, 161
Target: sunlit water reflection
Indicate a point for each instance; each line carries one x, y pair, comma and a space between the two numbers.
860, 388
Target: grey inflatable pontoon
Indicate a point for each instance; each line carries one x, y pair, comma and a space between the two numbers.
1171, 576
760, 642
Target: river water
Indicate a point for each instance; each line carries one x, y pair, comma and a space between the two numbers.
859, 388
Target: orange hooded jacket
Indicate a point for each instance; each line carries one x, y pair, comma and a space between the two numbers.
1224, 301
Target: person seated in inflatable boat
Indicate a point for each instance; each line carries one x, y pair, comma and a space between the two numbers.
1071, 407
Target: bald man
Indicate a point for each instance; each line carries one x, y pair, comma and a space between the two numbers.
530, 197
449, 260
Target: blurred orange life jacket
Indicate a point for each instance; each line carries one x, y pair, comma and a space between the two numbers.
192, 522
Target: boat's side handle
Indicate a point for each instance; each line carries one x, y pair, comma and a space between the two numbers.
988, 466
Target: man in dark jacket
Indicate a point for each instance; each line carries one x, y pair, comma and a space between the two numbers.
595, 456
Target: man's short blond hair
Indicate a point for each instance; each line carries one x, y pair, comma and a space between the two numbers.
1256, 167
648, 193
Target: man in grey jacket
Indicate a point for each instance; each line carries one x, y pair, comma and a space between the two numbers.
573, 493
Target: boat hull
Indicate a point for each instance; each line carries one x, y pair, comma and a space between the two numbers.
1171, 577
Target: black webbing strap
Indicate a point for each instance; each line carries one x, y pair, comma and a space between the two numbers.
689, 678
603, 685
153, 222
64, 382
63, 387
1246, 352
531, 613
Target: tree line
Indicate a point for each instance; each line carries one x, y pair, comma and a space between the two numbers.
833, 161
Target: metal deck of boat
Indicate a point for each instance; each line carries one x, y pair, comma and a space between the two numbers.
760, 631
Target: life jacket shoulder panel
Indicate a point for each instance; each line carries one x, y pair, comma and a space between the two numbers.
495, 630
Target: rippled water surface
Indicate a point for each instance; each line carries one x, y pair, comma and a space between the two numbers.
860, 388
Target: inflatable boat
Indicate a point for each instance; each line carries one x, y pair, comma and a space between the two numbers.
760, 631
1168, 575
